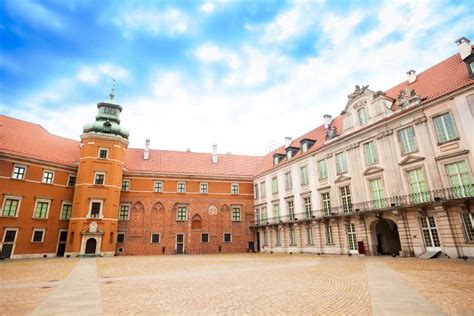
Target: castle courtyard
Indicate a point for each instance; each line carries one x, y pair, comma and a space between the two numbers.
237, 284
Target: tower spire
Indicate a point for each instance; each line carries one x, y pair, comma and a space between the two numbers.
112, 90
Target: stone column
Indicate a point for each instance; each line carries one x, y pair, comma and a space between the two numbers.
404, 234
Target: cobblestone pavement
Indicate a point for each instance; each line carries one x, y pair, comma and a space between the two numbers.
254, 284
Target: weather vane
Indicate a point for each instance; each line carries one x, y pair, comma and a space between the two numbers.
112, 91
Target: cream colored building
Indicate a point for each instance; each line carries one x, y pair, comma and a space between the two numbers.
392, 174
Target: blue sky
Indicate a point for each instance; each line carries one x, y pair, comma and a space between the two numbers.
242, 74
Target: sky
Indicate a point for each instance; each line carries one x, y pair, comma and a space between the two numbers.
240, 74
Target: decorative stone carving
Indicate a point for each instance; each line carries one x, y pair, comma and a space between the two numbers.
384, 133
212, 210
420, 120
353, 146
357, 91
331, 132
93, 227
407, 97
329, 155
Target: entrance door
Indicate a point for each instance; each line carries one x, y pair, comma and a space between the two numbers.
61, 243
251, 246
91, 246
388, 240
179, 244
430, 233
351, 238
8, 243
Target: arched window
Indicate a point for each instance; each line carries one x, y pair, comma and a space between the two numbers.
196, 222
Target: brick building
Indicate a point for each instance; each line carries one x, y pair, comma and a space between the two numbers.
391, 175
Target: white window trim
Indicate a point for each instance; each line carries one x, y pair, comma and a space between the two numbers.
68, 178
445, 130
159, 238
42, 236
154, 186
208, 238
238, 188
52, 178
325, 169
343, 155
103, 148
11, 197
62, 209
21, 166
124, 236
120, 210
177, 211
207, 187
124, 180
47, 211
223, 238
177, 187
99, 173
232, 213
89, 215
305, 167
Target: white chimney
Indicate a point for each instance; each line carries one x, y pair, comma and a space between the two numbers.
146, 153
287, 141
464, 46
327, 120
214, 153
411, 76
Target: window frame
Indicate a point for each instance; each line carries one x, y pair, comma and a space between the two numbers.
100, 153
309, 235
263, 190
224, 239
127, 187
47, 209
345, 194
205, 186
42, 230
365, 116
455, 130
63, 204
288, 181
325, 203
233, 217
155, 242
232, 186
47, 180
17, 210
274, 185
69, 177
329, 236
25, 168
400, 141
123, 239
208, 238
179, 189
343, 155
127, 205
178, 210
322, 162
101, 209
156, 187
371, 145
99, 173
469, 236
304, 177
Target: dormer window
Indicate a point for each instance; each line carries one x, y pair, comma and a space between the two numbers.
363, 116
290, 152
306, 144
277, 158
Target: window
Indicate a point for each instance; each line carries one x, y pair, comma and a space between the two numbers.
289, 154
236, 216
95, 209
18, 172
155, 238
288, 181
265, 239
377, 193
351, 236
407, 140
418, 186
322, 169
468, 220
71, 181
181, 187
255, 191
370, 153
292, 237
41, 209
304, 147
125, 185
227, 237
203, 188
460, 179
275, 185
307, 206
158, 186
309, 235
444, 125
11, 206
326, 203
48, 177
234, 189
430, 232
363, 116
124, 211
346, 199
264, 215
277, 237
341, 165
304, 175
262, 189
329, 239
66, 211
103, 153
181, 215
120, 238
99, 178
205, 238
38, 235
291, 210
276, 212
257, 216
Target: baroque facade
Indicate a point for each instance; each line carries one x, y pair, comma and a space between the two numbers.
392, 174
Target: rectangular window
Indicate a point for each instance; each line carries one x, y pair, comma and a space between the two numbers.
124, 211
71, 181
274, 185
419, 191
326, 203
120, 238
292, 237
99, 178
41, 209
288, 181
460, 179
430, 231
227, 237
468, 220
291, 210
155, 238
263, 190
255, 191
309, 235
265, 239
236, 214
363, 116
329, 239
96, 208
66, 211
304, 175
158, 186
19, 172
205, 238
304, 147
407, 140
445, 129
257, 216
307, 207
10, 207
203, 188
377, 193
351, 236
234, 189
125, 185
181, 187
370, 153
277, 237
264, 215
276, 212
48, 177
181, 215
346, 199
322, 169
103, 153
38, 235
341, 165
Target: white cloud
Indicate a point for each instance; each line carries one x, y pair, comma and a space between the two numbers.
207, 7
35, 14
92, 75
211, 53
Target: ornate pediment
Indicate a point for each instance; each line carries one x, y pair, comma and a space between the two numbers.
358, 91
410, 159
407, 97
342, 178
372, 170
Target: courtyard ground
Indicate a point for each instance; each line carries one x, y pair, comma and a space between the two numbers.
255, 284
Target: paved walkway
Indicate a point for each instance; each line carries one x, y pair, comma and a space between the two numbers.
391, 294
78, 294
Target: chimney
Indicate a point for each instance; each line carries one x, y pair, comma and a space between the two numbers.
214, 153
146, 153
287, 141
464, 46
327, 120
411, 76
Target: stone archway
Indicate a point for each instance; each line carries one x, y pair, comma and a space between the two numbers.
387, 238
91, 246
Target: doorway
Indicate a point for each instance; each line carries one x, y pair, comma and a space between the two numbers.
258, 241
9, 239
430, 233
91, 246
61, 243
388, 239
179, 244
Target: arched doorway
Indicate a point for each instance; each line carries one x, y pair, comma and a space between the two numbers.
388, 240
91, 246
